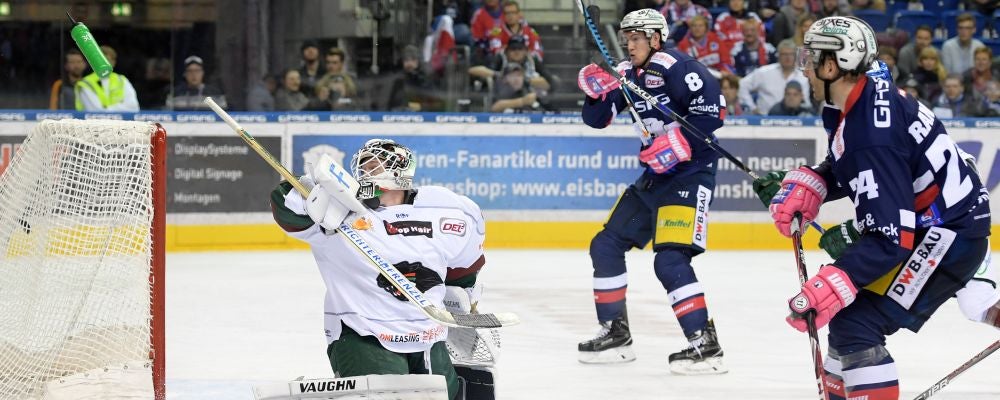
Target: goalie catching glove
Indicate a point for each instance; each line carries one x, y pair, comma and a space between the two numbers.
326, 204
424, 278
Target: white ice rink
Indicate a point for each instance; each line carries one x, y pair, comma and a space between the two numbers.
239, 318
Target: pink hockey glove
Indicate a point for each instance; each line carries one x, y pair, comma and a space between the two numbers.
596, 82
666, 151
802, 191
825, 294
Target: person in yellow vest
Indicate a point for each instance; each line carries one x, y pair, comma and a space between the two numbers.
114, 93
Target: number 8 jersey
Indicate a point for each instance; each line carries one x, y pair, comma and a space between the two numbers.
892, 157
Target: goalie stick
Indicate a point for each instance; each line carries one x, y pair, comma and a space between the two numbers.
591, 21
800, 262
398, 280
948, 378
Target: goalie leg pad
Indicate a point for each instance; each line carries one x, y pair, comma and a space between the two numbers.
367, 387
478, 382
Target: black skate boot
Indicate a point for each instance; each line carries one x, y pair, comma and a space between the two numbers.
613, 344
702, 357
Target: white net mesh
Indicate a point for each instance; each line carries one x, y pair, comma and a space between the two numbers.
75, 252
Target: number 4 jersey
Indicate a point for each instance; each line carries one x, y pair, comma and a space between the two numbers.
896, 162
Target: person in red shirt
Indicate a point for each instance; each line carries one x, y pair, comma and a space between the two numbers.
728, 25
485, 20
706, 47
514, 25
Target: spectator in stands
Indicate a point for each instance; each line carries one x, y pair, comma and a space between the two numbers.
516, 53
261, 96
309, 70
909, 54
955, 103
768, 83
992, 99
957, 52
438, 45
833, 8
678, 13
513, 93
888, 55
337, 86
982, 71
929, 73
413, 90
729, 24
912, 87
791, 105
730, 85
983, 7
786, 20
114, 93
63, 96
486, 21
514, 25
766, 10
190, 94
875, 5
289, 96
706, 47
753, 51
801, 27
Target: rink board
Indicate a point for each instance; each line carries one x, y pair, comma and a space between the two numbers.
543, 181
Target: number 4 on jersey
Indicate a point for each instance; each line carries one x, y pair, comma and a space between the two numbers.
864, 184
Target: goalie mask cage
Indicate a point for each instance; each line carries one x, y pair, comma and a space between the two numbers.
81, 262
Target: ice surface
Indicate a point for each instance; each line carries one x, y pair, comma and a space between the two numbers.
239, 318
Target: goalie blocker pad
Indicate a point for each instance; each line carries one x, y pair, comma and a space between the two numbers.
367, 387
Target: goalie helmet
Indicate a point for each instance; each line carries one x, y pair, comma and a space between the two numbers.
645, 20
849, 40
385, 164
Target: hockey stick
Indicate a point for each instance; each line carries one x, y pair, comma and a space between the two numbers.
398, 280
591, 21
800, 262
948, 378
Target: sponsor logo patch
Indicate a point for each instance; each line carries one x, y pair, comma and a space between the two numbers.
917, 270
409, 228
700, 235
654, 81
332, 385
453, 226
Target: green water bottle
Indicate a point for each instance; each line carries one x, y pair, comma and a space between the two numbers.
91, 51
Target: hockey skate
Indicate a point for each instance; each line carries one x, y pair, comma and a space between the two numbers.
702, 357
613, 344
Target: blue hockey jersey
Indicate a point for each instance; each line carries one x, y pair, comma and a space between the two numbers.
680, 83
892, 157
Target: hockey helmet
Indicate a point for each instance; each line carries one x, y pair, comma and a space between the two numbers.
645, 20
385, 164
849, 40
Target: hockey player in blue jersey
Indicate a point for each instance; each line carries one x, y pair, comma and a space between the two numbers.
923, 214
669, 202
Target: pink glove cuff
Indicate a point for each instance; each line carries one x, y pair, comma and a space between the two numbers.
808, 179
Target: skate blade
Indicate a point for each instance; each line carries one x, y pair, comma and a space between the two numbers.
709, 366
616, 355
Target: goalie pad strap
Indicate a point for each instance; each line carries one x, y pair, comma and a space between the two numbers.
408, 387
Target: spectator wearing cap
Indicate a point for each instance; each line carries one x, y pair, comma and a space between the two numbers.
954, 102
309, 69
513, 92
957, 52
113, 93
190, 94
791, 105
513, 26
337, 87
516, 53
412, 90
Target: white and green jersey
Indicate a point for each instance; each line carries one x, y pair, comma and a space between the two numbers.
440, 229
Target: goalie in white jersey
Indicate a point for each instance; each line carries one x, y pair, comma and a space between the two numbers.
432, 235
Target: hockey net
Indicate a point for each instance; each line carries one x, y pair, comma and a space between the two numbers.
81, 300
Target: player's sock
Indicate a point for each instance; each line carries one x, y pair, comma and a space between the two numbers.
607, 253
702, 357
834, 384
870, 374
609, 296
612, 344
673, 269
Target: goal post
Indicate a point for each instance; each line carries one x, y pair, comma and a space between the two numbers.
82, 225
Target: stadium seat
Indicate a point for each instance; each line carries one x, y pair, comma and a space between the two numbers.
939, 6
950, 25
894, 6
877, 19
993, 44
910, 20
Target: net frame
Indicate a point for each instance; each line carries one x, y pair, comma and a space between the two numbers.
80, 175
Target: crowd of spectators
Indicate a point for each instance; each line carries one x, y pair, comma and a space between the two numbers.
749, 45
